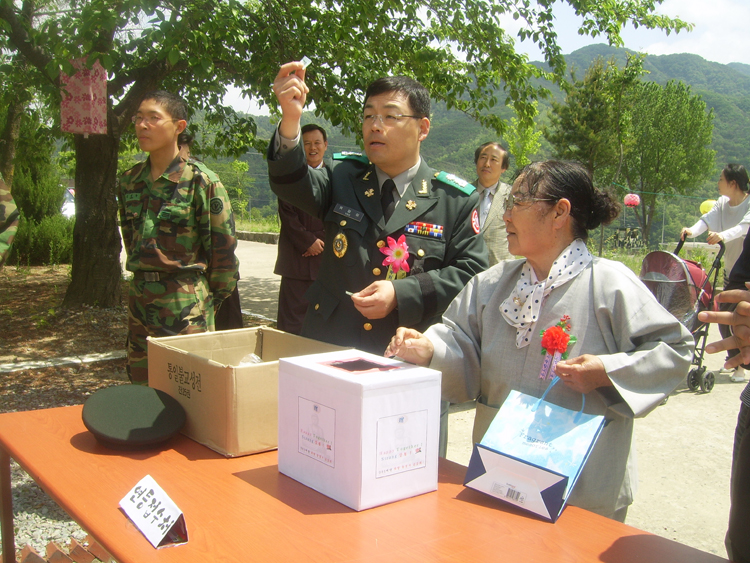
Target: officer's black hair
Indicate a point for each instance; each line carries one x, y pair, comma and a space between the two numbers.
313, 127
173, 104
418, 96
559, 179
506, 155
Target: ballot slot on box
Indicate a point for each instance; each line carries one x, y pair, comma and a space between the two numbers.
359, 428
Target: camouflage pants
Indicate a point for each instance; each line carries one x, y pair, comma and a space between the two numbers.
182, 305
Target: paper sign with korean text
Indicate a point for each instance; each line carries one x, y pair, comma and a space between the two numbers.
155, 514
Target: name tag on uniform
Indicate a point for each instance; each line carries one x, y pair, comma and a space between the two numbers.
348, 212
132, 196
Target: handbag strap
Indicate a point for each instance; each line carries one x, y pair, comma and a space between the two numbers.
544, 396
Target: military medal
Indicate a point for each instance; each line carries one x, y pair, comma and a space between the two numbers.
411, 204
425, 229
340, 244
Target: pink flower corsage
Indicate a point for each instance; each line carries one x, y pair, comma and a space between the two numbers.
555, 343
397, 256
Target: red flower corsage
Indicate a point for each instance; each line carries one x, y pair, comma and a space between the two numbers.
555, 343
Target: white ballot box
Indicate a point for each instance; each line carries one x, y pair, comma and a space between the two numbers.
359, 428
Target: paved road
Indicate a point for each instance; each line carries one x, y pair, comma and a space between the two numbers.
258, 285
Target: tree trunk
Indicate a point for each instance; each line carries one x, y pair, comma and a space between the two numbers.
9, 139
96, 271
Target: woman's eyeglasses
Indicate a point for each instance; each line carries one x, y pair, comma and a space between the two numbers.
513, 200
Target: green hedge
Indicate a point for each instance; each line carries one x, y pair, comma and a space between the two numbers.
48, 242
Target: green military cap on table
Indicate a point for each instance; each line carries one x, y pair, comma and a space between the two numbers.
132, 416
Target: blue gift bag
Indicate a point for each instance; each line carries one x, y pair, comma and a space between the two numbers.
533, 453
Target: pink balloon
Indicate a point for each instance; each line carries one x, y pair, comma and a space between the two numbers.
632, 200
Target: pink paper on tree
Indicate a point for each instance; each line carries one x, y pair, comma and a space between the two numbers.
84, 99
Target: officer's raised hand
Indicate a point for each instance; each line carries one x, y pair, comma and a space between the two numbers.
291, 91
376, 301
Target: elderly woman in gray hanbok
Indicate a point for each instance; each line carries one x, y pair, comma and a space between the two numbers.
630, 352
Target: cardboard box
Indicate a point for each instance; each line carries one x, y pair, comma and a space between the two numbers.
359, 428
231, 409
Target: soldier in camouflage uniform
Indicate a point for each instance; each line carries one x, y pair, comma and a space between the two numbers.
8, 221
178, 231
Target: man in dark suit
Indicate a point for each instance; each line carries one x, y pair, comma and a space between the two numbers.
300, 248
364, 289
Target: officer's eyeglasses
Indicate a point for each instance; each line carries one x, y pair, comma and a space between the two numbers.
388, 120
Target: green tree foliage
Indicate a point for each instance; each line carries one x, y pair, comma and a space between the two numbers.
457, 48
45, 242
37, 186
671, 137
523, 139
590, 126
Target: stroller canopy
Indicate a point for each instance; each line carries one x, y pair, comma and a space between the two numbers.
681, 287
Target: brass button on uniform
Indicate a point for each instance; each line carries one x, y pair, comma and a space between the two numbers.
367, 326
317, 306
420, 252
376, 271
342, 223
381, 243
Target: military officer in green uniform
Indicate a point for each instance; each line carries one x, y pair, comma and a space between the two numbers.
178, 231
8, 221
360, 298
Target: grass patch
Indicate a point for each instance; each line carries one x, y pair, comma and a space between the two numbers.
264, 225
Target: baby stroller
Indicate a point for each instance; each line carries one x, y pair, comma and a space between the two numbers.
684, 289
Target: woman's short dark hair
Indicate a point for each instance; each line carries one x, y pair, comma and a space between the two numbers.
557, 179
736, 172
418, 96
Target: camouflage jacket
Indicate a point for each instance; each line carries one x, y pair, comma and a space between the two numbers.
182, 221
8, 221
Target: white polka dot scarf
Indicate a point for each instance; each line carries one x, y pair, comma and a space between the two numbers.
521, 308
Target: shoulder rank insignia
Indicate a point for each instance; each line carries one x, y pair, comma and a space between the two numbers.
210, 174
455, 181
351, 155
